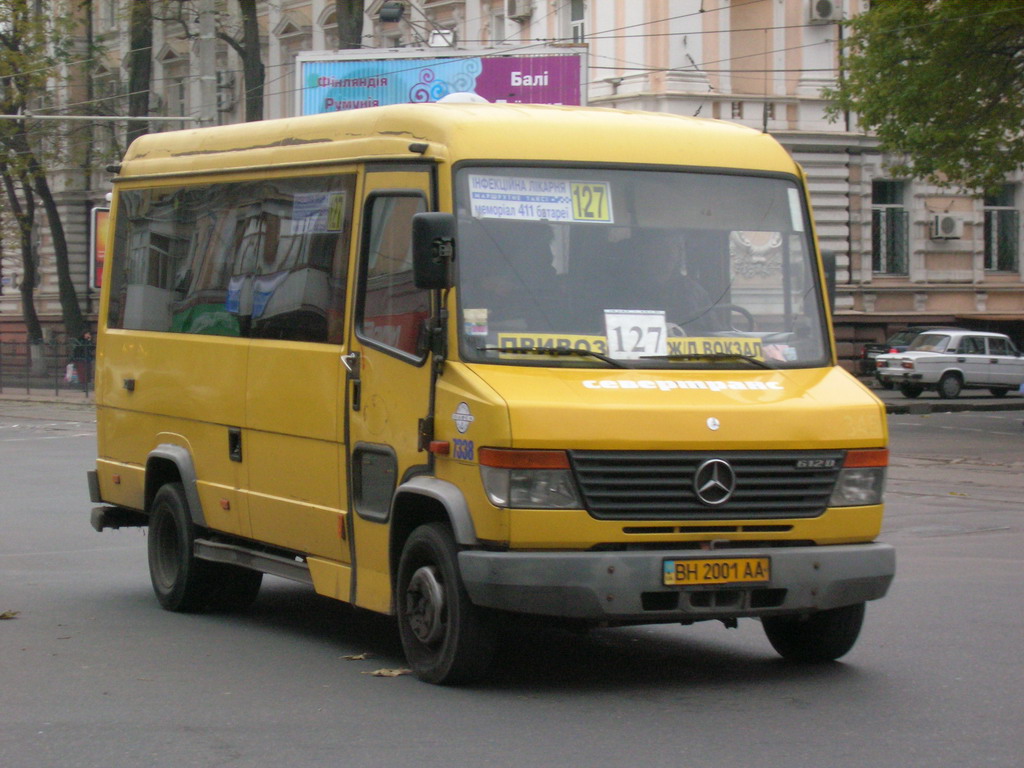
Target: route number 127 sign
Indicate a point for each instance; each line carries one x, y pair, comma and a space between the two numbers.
635, 334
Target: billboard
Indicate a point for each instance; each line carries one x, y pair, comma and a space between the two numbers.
97, 246
329, 82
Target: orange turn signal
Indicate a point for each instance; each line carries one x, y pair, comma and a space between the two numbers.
504, 458
869, 457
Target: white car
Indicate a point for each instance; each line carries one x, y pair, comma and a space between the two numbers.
951, 360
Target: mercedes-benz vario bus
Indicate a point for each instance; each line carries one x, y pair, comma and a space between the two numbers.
465, 363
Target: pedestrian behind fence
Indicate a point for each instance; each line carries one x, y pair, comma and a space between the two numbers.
83, 352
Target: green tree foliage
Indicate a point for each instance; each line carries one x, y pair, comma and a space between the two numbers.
941, 84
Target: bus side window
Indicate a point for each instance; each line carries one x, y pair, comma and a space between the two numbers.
392, 310
265, 259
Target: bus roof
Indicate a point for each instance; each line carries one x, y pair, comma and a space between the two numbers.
460, 131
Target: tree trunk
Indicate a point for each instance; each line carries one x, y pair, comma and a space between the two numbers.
74, 322
140, 65
24, 217
349, 16
252, 64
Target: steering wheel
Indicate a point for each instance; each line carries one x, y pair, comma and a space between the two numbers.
729, 309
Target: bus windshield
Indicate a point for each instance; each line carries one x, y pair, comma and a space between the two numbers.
636, 268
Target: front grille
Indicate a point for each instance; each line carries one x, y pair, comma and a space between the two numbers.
659, 485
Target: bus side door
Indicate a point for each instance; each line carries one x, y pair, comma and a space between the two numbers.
389, 375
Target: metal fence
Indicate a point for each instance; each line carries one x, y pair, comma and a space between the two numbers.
44, 368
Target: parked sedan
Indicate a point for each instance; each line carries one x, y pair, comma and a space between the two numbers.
898, 342
948, 361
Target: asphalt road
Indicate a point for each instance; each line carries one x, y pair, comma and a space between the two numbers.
94, 674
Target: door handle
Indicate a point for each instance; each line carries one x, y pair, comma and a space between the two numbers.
351, 362
234, 444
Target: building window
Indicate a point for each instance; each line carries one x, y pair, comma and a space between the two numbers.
889, 228
1002, 228
497, 23
573, 19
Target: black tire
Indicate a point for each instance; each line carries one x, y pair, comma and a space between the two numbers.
233, 588
949, 386
182, 582
822, 636
447, 640
998, 391
911, 390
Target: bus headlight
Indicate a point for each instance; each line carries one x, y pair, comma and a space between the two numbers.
861, 481
528, 479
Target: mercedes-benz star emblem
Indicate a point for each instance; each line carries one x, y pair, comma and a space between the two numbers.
714, 482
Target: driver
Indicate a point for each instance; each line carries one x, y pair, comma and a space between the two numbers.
659, 282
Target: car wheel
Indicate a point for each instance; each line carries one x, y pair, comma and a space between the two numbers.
447, 640
998, 391
949, 386
911, 390
822, 636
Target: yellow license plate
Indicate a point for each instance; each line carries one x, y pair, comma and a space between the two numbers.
719, 570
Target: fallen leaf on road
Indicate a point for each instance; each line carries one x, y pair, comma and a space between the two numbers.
357, 657
8, 614
389, 672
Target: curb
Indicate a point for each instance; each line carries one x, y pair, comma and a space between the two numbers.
952, 406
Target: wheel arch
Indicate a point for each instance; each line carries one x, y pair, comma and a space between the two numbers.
173, 463
424, 499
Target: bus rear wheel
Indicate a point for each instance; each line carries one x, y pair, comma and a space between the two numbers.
822, 636
182, 582
447, 640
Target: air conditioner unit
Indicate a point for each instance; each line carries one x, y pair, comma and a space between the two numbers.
825, 11
946, 226
518, 10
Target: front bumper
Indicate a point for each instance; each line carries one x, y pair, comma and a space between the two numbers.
627, 586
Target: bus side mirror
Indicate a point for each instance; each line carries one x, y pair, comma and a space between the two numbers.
433, 249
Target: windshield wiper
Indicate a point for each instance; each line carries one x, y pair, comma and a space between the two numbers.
719, 357
555, 352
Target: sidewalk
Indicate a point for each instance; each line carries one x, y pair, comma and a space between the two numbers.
927, 402
930, 402
47, 395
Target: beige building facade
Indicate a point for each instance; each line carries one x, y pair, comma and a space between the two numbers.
906, 252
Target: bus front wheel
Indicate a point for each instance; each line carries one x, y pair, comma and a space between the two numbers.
447, 640
822, 636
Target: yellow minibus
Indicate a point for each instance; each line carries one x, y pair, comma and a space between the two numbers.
466, 363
